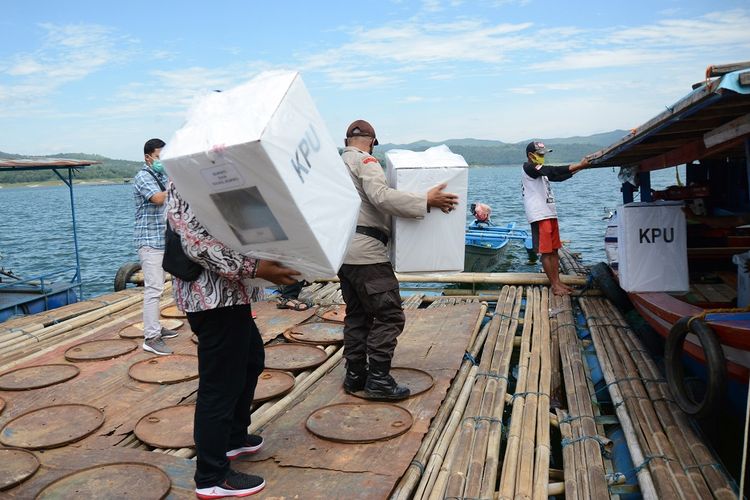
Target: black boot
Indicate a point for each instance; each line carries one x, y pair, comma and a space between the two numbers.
356, 375
380, 384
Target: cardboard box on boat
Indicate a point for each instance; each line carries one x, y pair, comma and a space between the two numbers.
261, 172
435, 243
652, 247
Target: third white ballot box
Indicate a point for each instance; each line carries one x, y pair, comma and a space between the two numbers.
263, 175
435, 243
652, 247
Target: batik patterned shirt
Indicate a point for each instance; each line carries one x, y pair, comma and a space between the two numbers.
228, 276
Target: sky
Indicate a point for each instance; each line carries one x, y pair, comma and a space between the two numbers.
103, 77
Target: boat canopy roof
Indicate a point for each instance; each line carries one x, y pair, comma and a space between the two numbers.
712, 121
7, 164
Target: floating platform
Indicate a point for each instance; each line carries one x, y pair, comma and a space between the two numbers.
509, 406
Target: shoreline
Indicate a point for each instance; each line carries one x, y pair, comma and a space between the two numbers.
52, 183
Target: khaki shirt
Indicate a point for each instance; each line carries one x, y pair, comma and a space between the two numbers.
379, 203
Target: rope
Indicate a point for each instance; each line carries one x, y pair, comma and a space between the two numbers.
479, 418
529, 393
602, 442
419, 466
702, 316
506, 316
667, 400
493, 375
560, 325
631, 379
471, 359
571, 418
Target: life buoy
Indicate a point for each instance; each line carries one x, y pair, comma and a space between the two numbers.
716, 368
126, 271
607, 283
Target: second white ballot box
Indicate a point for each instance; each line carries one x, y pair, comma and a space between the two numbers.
435, 243
652, 247
263, 175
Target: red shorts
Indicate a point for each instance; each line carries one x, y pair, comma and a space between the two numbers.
545, 236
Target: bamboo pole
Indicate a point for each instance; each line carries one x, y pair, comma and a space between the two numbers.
692, 452
631, 431
290, 398
639, 403
587, 458
541, 467
482, 471
512, 447
457, 477
504, 355
438, 454
409, 480
517, 279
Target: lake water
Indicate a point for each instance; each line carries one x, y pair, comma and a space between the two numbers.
35, 223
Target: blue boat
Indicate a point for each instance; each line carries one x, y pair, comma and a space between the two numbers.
486, 245
48, 289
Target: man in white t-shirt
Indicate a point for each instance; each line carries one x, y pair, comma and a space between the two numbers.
539, 203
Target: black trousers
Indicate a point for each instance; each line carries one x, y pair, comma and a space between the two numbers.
374, 316
230, 359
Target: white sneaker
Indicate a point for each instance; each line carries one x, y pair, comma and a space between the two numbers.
157, 346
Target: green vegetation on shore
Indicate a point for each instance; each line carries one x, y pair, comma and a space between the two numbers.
475, 151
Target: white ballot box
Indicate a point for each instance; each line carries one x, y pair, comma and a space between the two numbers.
652, 247
435, 243
263, 175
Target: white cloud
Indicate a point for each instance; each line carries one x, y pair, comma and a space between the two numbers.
67, 53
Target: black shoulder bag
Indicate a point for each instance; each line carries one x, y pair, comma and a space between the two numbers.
175, 261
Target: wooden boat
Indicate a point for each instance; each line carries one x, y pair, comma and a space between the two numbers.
49, 289
708, 131
486, 244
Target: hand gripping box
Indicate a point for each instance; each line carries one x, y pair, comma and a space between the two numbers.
261, 172
652, 247
435, 243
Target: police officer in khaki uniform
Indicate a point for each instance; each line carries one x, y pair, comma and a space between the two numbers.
374, 316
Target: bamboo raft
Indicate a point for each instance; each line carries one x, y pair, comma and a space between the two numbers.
513, 412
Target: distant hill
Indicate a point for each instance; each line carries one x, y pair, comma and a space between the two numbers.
487, 152
108, 169
475, 151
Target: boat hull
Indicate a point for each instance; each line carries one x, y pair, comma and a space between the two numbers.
483, 259
661, 311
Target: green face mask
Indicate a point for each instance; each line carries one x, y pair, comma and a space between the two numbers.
158, 166
538, 159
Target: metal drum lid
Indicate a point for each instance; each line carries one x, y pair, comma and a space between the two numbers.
316, 333
271, 384
36, 377
51, 426
96, 350
417, 381
172, 312
18, 466
359, 422
335, 313
292, 357
135, 330
2, 405
170, 427
165, 369
117, 480
194, 338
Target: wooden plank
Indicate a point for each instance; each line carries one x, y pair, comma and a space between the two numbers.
273, 321
718, 293
434, 340
727, 132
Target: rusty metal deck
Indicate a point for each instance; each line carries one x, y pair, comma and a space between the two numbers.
295, 463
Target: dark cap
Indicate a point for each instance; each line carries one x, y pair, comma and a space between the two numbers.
537, 147
361, 128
